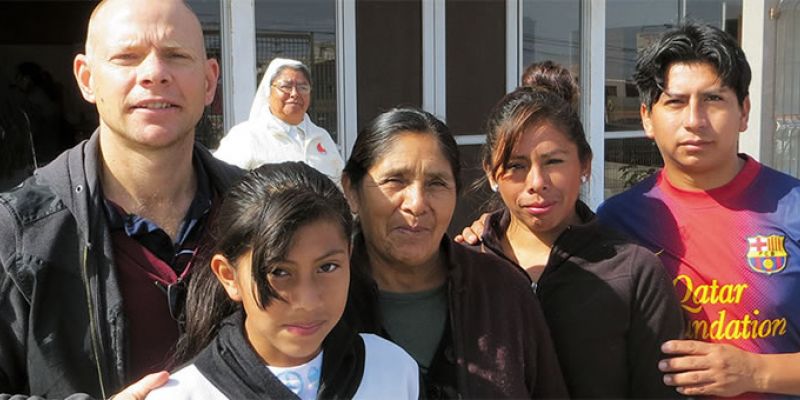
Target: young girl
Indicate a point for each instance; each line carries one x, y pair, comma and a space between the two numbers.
263, 315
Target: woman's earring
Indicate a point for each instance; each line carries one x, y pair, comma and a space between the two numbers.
583, 179
493, 186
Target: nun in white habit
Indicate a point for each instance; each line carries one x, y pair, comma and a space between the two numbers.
279, 129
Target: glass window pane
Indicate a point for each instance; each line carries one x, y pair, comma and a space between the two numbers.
630, 26
303, 30
476, 79
714, 12
551, 30
628, 161
389, 56
476, 62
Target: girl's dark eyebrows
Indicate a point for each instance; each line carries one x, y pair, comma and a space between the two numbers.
331, 253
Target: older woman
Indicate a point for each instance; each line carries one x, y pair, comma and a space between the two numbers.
469, 319
278, 128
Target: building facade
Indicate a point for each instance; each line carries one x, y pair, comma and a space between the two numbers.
455, 58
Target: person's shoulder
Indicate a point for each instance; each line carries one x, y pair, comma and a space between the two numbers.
388, 370
242, 131
478, 268
238, 137
778, 179
378, 345
603, 234
30, 201
187, 383
779, 189
316, 130
639, 258
236, 146
380, 349
636, 198
636, 193
220, 169
35, 209
471, 254
311, 125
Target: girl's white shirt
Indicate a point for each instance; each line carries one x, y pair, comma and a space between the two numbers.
389, 373
303, 379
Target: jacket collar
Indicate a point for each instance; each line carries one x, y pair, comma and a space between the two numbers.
360, 258
74, 177
571, 241
362, 309
235, 368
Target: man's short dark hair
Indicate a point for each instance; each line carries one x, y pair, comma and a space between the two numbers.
691, 43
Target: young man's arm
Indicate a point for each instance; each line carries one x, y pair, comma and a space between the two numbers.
701, 368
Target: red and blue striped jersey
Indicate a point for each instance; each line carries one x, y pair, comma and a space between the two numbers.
733, 253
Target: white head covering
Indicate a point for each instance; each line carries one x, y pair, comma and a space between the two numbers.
260, 107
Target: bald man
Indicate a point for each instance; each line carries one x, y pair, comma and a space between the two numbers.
95, 246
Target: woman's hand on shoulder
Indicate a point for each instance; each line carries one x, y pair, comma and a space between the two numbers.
472, 234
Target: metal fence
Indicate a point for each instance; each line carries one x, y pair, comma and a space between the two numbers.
787, 89
628, 161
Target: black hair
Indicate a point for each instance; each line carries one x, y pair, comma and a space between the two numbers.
691, 43
260, 213
382, 131
555, 77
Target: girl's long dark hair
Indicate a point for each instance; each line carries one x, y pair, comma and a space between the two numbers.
261, 213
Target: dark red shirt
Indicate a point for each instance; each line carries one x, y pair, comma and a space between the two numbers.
151, 269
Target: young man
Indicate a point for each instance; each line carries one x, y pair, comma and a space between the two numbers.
725, 226
93, 246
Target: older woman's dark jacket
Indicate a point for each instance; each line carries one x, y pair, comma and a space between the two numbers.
609, 305
496, 344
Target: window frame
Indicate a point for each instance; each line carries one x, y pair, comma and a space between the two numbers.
238, 38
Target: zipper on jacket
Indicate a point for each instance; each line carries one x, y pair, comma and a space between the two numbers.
93, 323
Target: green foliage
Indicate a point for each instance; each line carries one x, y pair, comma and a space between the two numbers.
632, 174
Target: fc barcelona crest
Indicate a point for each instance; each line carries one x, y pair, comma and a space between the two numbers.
766, 254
